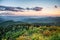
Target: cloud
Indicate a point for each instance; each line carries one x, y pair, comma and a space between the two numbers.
6, 14
6, 8
37, 8
56, 6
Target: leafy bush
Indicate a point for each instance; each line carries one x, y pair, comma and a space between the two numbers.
55, 37
23, 38
46, 33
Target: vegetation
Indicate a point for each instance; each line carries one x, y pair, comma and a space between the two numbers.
10, 30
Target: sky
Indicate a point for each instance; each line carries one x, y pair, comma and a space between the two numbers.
47, 5
30, 3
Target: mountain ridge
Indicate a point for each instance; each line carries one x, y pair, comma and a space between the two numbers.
31, 19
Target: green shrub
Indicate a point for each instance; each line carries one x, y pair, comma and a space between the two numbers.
55, 37
46, 33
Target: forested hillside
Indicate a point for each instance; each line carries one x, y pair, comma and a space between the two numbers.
17, 30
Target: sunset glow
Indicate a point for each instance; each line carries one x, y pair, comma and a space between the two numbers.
50, 7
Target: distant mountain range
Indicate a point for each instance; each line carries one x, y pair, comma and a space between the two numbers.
7, 8
31, 19
1, 20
